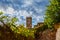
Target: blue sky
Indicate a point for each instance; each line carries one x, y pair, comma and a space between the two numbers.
25, 8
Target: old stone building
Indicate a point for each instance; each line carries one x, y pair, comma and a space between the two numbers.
40, 24
29, 22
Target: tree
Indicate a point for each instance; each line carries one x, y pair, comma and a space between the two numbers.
7, 22
52, 14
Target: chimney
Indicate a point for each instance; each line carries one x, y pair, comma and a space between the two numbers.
29, 22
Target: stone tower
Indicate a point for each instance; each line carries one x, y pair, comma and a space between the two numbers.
29, 22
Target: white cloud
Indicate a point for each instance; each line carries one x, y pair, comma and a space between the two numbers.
39, 17
28, 2
25, 13
39, 10
39, 0
9, 10
1, 9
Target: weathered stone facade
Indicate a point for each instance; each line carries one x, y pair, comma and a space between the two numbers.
46, 35
40, 24
29, 22
58, 34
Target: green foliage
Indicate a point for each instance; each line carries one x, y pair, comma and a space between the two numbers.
24, 31
14, 19
2, 17
1, 13
52, 14
41, 29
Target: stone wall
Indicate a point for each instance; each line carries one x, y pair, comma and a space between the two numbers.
46, 35
58, 34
